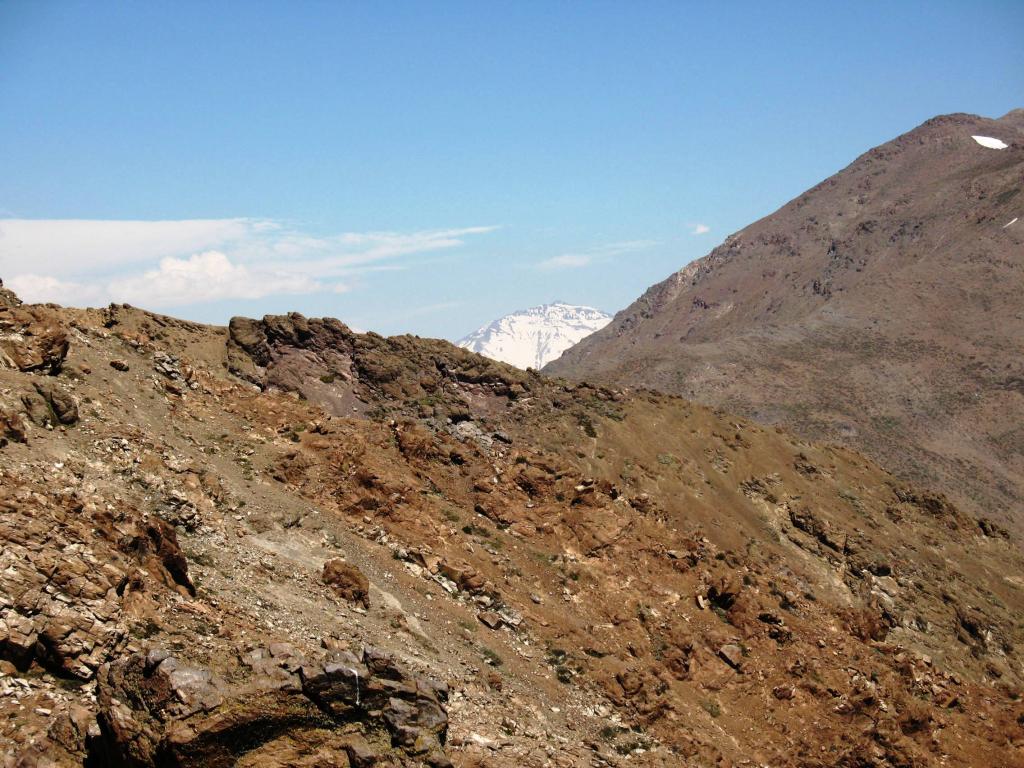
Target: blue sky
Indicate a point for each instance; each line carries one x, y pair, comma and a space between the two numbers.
425, 167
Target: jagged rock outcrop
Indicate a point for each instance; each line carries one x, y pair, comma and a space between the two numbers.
32, 339
69, 568
348, 373
7, 297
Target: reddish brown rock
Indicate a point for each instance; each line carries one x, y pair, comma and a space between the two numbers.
347, 581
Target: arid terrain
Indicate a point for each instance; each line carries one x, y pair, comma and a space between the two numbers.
283, 543
881, 309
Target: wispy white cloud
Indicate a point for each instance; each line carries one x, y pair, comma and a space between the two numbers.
591, 255
566, 261
200, 278
429, 309
174, 263
210, 276
699, 229
39, 288
68, 246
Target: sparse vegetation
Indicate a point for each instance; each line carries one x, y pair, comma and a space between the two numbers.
711, 706
491, 657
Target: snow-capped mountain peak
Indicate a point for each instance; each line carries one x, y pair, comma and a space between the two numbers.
534, 337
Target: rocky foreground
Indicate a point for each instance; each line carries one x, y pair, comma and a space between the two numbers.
287, 544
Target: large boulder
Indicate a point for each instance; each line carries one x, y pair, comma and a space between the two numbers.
278, 708
50, 404
347, 581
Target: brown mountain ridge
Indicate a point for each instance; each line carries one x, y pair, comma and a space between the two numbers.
882, 309
283, 543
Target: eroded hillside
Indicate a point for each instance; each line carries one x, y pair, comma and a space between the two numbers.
284, 543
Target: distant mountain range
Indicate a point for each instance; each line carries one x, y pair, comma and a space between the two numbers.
881, 309
534, 337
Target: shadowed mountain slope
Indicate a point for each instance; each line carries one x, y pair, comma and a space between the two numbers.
882, 309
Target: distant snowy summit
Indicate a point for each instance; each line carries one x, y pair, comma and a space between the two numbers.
534, 337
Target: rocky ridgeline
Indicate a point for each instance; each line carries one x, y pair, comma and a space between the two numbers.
78, 575
351, 374
537, 497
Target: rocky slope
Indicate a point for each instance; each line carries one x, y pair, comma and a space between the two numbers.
287, 544
536, 336
880, 309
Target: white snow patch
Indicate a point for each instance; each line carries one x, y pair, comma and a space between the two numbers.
534, 337
988, 141
1011, 222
